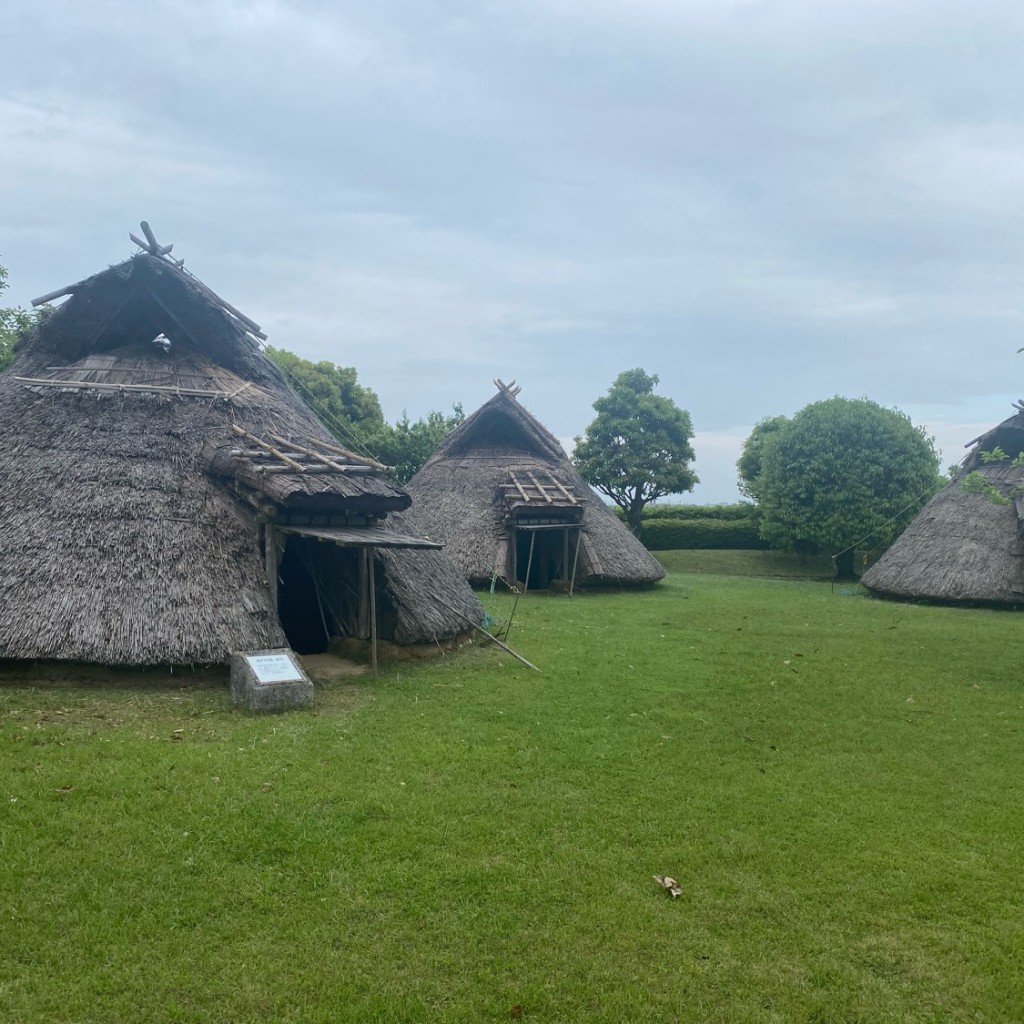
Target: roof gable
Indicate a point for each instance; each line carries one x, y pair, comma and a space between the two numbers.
131, 304
501, 425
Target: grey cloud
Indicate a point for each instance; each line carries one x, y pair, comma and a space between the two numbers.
765, 203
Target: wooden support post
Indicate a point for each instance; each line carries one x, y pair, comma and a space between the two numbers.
565, 551
529, 563
575, 559
373, 607
270, 553
363, 623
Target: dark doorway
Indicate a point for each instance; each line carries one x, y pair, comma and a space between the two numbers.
302, 616
549, 561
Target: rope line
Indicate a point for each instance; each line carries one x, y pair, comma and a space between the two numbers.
328, 417
924, 494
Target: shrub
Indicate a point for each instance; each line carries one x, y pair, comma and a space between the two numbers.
739, 511
677, 534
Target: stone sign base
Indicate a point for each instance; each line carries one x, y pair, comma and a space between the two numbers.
269, 681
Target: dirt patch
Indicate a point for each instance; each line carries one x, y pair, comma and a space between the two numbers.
326, 668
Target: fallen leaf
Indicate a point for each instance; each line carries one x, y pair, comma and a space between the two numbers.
669, 883
516, 1012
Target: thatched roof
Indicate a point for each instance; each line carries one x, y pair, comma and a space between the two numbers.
135, 479
964, 547
498, 460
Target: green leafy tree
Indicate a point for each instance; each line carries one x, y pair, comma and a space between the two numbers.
13, 321
637, 448
840, 471
749, 463
408, 444
350, 410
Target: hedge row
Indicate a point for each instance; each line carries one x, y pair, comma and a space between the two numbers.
674, 534
737, 512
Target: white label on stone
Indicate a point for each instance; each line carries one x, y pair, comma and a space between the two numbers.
273, 668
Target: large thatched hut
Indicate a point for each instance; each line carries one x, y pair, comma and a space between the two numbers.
165, 498
965, 545
504, 499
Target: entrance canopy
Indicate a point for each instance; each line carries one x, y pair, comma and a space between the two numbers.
360, 537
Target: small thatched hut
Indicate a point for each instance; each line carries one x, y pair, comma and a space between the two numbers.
965, 545
165, 498
504, 499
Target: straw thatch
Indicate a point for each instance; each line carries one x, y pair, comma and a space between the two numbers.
501, 469
133, 512
964, 547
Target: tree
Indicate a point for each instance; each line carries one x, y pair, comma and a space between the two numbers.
351, 411
13, 321
407, 444
638, 447
348, 409
749, 463
840, 471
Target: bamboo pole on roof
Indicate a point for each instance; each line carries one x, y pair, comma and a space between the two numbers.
269, 447
338, 450
558, 484
519, 486
536, 483
306, 451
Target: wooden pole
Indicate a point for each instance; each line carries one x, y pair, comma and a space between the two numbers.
269, 447
316, 590
270, 553
529, 563
490, 636
50, 296
575, 558
505, 647
373, 607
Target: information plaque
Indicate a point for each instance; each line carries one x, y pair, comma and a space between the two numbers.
274, 668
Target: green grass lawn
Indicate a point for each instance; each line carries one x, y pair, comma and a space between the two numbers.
835, 782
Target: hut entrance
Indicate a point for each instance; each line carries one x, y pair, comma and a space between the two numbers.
298, 603
544, 553
330, 583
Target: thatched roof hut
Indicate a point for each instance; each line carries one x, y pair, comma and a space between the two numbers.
965, 545
165, 498
500, 487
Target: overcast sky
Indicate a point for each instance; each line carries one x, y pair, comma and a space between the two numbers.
764, 202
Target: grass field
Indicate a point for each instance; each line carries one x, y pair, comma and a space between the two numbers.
835, 782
